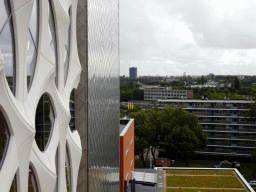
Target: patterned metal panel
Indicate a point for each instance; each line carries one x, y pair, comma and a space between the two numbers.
103, 95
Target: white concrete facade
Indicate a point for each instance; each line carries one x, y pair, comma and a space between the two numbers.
19, 109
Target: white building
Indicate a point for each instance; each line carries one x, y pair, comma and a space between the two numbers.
154, 94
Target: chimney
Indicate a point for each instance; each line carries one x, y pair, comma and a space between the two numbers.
202, 97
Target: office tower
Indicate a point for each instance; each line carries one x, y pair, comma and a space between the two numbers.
97, 96
133, 73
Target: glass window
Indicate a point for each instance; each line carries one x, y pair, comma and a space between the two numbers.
57, 168
32, 43
44, 122
53, 41
72, 110
4, 138
7, 43
32, 180
14, 186
68, 169
67, 50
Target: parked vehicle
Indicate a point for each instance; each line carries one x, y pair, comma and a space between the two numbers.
252, 183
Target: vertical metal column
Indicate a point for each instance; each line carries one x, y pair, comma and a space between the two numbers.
81, 95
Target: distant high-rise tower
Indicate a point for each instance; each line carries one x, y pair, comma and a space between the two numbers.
184, 74
133, 73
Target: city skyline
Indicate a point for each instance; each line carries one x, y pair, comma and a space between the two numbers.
199, 37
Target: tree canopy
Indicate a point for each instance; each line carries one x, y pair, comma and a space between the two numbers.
181, 132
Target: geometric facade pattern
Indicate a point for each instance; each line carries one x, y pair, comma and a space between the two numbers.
97, 96
38, 56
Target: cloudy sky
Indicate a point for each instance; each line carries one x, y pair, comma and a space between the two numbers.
169, 37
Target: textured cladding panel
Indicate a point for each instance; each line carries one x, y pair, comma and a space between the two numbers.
103, 95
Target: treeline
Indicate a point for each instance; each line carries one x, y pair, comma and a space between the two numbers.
130, 91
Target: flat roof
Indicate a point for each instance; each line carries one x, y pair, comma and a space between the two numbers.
204, 101
201, 179
124, 125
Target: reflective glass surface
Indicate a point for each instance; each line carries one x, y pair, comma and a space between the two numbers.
14, 187
7, 43
32, 180
4, 13
72, 110
32, 43
44, 122
103, 95
53, 42
67, 51
68, 169
4, 138
57, 168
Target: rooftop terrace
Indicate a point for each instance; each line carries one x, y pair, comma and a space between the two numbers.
196, 179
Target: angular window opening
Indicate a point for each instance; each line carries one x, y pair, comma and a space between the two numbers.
4, 138
7, 46
45, 118
14, 186
72, 110
53, 40
33, 184
68, 169
67, 50
32, 43
57, 168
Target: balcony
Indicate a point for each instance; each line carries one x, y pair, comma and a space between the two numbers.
233, 145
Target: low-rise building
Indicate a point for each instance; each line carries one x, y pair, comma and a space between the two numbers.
229, 131
126, 151
154, 94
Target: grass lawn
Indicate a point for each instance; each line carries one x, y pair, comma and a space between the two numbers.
203, 190
203, 181
200, 172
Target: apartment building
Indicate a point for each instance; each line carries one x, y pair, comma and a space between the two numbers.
224, 122
154, 94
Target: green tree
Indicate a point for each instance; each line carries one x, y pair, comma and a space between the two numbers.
138, 94
183, 134
252, 112
142, 132
125, 95
155, 123
237, 83
253, 161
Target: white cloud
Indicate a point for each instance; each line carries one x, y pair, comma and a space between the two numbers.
169, 37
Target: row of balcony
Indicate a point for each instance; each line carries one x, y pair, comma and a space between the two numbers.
210, 107
227, 122
219, 114
229, 129
225, 151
